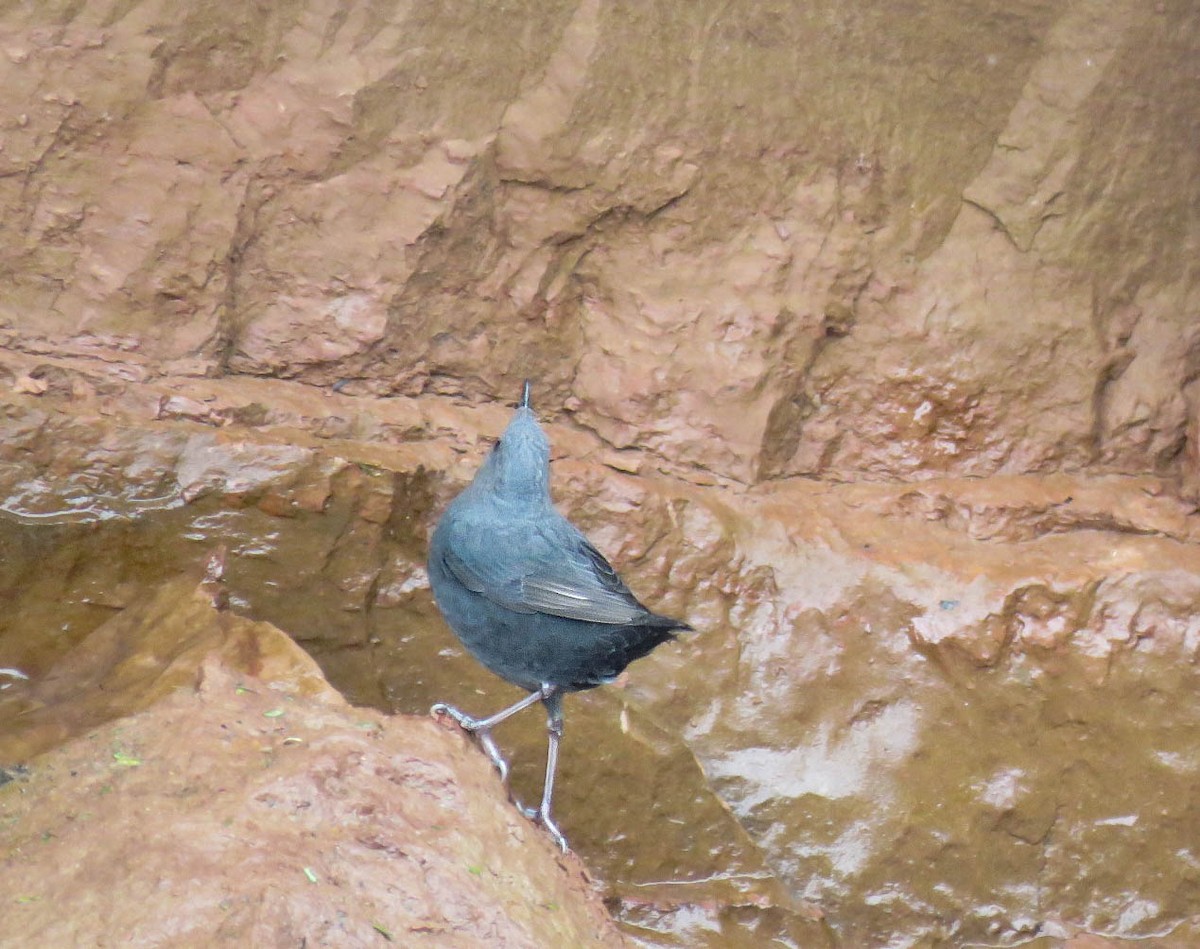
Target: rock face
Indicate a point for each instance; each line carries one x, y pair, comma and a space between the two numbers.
756, 240
869, 342
239, 811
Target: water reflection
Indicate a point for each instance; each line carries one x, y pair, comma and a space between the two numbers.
823, 760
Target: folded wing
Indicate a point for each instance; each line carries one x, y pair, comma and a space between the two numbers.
549, 568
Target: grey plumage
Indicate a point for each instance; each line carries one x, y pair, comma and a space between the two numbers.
528, 595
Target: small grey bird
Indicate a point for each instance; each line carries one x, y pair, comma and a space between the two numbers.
529, 597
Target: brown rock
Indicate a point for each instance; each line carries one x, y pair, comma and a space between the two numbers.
178, 406
752, 279
349, 828
28, 385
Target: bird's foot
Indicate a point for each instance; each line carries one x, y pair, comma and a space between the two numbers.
541, 815
465, 721
482, 735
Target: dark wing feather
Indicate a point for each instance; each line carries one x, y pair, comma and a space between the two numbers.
548, 567
581, 585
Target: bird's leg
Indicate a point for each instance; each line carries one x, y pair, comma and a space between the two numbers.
481, 728
552, 697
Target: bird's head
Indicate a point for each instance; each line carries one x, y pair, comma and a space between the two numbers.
518, 466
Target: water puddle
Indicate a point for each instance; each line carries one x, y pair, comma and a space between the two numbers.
730, 787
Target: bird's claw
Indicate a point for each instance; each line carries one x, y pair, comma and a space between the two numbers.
540, 815
465, 721
482, 735
544, 819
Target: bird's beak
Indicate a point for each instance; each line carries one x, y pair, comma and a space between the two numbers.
525, 396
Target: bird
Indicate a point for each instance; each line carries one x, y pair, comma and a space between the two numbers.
530, 597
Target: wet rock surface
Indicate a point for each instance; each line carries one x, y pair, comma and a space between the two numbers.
950, 712
234, 812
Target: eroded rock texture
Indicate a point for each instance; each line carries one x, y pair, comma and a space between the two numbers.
840, 240
868, 335
236, 812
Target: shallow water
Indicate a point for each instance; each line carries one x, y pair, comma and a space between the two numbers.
733, 790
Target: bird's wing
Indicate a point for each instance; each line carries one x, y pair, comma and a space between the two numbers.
578, 583
488, 578
547, 569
